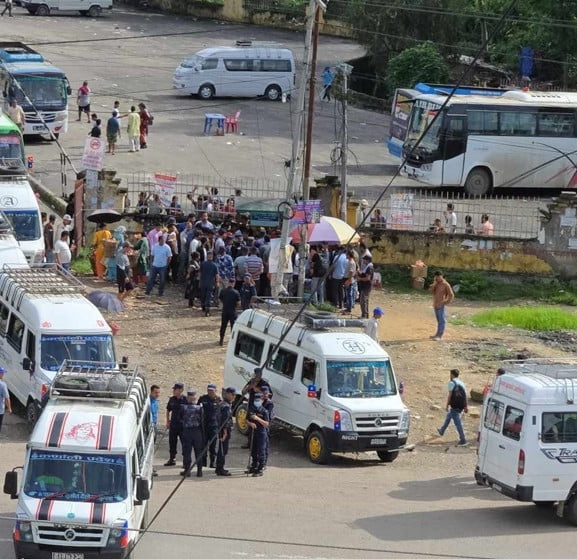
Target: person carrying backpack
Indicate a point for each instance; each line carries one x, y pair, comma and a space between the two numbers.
456, 405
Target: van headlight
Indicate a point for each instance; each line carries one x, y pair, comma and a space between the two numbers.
118, 535
342, 421
23, 529
404, 423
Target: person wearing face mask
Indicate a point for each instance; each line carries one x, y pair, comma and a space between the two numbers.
258, 421
192, 434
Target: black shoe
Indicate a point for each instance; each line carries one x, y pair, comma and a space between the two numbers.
221, 343
185, 473
154, 473
199, 473
213, 464
257, 473
171, 462
224, 473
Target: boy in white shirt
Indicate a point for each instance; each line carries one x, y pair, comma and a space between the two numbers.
372, 326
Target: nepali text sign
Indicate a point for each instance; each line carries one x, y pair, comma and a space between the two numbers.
402, 211
93, 156
263, 219
308, 211
164, 186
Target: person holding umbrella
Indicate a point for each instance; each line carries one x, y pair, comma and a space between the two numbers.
101, 235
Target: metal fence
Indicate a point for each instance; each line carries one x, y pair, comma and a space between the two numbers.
515, 217
291, 8
512, 216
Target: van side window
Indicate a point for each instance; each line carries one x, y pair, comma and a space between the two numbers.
4, 312
209, 64
140, 448
559, 427
15, 332
275, 65
146, 425
249, 348
494, 415
238, 64
513, 423
284, 362
309, 371
31, 346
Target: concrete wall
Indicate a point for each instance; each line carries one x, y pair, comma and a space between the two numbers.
458, 252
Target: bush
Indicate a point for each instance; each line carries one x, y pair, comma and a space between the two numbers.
540, 319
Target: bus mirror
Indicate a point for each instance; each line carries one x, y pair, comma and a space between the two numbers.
11, 484
68, 90
142, 489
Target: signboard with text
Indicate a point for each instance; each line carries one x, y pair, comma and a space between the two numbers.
93, 156
165, 186
306, 212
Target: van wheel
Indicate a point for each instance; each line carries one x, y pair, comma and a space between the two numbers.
387, 456
317, 448
273, 93
241, 417
83, 12
570, 512
206, 91
478, 183
32, 413
42, 10
94, 11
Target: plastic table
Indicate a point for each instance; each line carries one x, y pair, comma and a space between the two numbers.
210, 118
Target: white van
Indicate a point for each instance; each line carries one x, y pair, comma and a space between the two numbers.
92, 8
241, 71
20, 206
528, 434
10, 251
45, 319
88, 468
335, 387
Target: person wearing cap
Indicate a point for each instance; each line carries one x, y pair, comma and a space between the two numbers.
230, 299
66, 225
258, 421
211, 404
247, 292
208, 281
174, 421
372, 325
123, 271
365, 283
192, 415
254, 385
226, 424
5, 405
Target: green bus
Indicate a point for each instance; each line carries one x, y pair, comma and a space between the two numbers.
12, 157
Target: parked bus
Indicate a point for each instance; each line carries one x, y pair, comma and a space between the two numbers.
12, 158
403, 103
246, 70
521, 139
40, 88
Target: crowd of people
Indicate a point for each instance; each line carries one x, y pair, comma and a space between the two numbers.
204, 425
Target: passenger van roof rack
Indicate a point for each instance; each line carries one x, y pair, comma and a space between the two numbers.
98, 381
45, 279
251, 43
315, 320
553, 367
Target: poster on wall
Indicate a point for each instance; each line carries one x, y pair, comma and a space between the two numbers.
165, 187
402, 211
308, 211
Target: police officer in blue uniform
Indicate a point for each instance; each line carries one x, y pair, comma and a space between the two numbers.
225, 423
258, 421
192, 434
210, 403
254, 385
268, 405
173, 421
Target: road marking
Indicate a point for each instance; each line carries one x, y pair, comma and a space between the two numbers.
276, 556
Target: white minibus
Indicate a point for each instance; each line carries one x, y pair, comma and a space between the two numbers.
241, 71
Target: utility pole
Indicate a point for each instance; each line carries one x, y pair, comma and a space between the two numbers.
296, 148
345, 71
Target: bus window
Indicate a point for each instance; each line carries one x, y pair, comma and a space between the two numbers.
483, 122
518, 124
556, 124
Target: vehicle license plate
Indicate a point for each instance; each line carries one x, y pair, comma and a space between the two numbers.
376, 442
67, 555
39, 128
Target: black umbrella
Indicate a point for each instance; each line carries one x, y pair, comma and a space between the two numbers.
106, 301
104, 216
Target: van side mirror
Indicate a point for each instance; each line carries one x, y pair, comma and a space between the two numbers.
11, 484
68, 90
27, 364
142, 490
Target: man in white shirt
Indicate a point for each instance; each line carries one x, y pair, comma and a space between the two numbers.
372, 326
62, 253
450, 219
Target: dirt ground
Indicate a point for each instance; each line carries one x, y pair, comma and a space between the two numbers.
171, 342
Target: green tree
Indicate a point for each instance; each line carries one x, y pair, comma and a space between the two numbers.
422, 63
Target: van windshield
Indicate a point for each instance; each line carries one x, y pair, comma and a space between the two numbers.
55, 349
192, 62
26, 224
62, 476
360, 379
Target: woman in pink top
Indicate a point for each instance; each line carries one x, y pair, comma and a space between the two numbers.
487, 228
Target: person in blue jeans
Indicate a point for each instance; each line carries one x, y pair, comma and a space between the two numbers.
161, 257
456, 405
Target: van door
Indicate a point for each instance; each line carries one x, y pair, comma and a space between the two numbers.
282, 365
503, 425
15, 347
304, 408
238, 77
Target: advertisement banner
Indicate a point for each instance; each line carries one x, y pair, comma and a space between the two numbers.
164, 186
93, 156
309, 211
402, 211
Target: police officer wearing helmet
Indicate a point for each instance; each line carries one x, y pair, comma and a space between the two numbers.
225, 422
192, 434
258, 421
173, 421
211, 404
